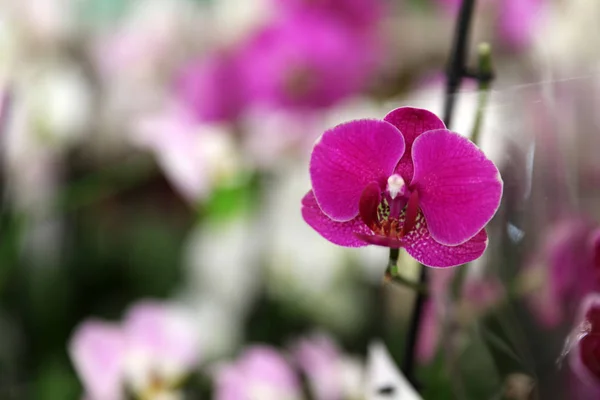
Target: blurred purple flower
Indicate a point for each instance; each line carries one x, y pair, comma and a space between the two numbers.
362, 13
360, 193
212, 88
517, 20
331, 374
564, 269
478, 295
307, 61
584, 343
435, 312
154, 348
259, 373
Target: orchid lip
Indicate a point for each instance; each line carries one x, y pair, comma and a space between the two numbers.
390, 216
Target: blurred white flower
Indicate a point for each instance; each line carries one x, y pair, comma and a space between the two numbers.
221, 326
51, 108
302, 268
222, 262
48, 111
136, 57
236, 19
383, 373
563, 41
43, 22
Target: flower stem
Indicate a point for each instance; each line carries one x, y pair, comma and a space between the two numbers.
456, 71
392, 275
484, 78
458, 57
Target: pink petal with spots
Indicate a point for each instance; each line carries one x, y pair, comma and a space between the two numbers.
459, 187
423, 248
411, 122
340, 233
97, 350
347, 158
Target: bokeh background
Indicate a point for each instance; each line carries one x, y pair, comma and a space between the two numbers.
155, 152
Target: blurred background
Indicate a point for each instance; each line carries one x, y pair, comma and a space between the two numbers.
154, 154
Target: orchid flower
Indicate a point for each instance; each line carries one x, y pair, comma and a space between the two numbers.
358, 13
331, 374
261, 372
211, 88
563, 270
148, 355
295, 62
404, 182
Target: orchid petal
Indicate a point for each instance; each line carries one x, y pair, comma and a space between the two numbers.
369, 203
423, 248
411, 122
164, 335
340, 233
459, 188
347, 158
97, 350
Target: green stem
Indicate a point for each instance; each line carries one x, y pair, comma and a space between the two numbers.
484, 79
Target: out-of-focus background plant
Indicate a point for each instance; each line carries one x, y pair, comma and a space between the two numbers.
153, 158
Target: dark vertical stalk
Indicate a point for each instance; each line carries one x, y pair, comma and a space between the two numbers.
458, 58
456, 71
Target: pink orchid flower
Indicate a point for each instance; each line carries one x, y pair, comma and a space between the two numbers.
149, 354
211, 87
404, 182
357, 13
261, 372
294, 63
331, 374
563, 270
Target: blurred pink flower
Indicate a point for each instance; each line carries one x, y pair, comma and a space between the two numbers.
435, 313
330, 374
362, 13
194, 157
259, 373
360, 192
212, 87
150, 352
478, 295
563, 270
307, 61
517, 21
